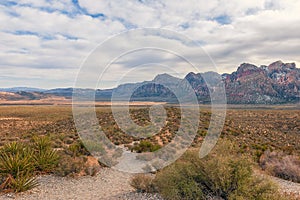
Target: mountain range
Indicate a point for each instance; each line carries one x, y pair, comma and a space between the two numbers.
276, 83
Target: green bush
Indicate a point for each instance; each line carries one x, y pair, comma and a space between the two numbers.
178, 181
14, 148
223, 174
45, 158
19, 163
17, 167
22, 182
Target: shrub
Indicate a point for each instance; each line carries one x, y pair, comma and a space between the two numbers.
223, 174
178, 181
19, 162
281, 165
45, 158
143, 183
15, 158
17, 167
13, 148
22, 182
69, 165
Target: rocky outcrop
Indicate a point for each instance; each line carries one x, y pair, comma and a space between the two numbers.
277, 83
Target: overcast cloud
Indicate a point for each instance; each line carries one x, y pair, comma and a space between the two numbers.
44, 42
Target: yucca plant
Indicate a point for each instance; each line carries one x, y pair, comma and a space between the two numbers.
41, 143
45, 158
15, 163
13, 148
15, 157
22, 182
16, 167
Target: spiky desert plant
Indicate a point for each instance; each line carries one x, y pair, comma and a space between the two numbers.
17, 167
15, 158
45, 158
22, 182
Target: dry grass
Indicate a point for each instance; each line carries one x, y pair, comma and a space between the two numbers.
281, 165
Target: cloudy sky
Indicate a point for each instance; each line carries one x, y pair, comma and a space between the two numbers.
43, 43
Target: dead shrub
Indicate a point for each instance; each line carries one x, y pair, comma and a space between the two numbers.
281, 165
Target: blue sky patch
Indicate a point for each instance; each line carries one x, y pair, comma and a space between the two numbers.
25, 32
222, 19
85, 12
8, 3
21, 32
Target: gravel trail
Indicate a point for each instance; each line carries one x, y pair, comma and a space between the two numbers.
288, 187
109, 184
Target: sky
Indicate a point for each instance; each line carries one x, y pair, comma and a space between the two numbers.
45, 43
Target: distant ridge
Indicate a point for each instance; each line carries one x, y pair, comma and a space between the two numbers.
273, 84
22, 89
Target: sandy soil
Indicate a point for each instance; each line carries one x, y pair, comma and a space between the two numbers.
109, 184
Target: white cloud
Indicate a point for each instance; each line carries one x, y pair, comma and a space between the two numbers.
58, 35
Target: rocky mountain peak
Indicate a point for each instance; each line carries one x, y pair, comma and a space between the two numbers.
246, 67
279, 65
161, 77
275, 65
190, 75
165, 79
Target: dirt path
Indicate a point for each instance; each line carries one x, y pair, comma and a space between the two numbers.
288, 187
107, 185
